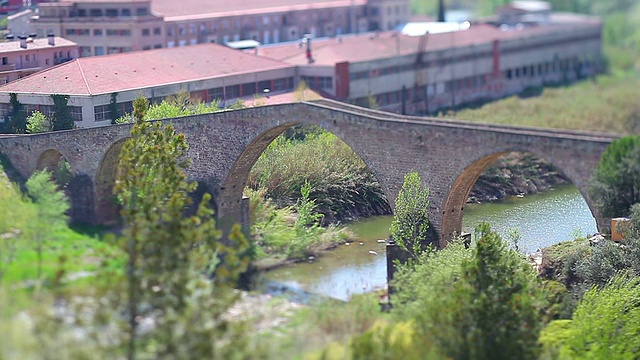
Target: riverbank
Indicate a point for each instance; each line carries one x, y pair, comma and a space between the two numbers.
515, 174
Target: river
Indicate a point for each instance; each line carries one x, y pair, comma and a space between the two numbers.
358, 267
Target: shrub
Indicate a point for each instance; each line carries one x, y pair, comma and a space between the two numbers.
479, 303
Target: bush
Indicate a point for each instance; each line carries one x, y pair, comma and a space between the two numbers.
479, 303
615, 186
605, 325
342, 185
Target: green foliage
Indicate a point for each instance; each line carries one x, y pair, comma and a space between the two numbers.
341, 184
38, 123
16, 122
479, 303
51, 205
237, 105
61, 119
165, 110
114, 114
410, 225
386, 341
615, 186
305, 208
292, 232
174, 106
140, 107
605, 325
607, 104
168, 252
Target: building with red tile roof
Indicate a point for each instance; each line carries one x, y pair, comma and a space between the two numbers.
113, 26
392, 71
25, 56
207, 71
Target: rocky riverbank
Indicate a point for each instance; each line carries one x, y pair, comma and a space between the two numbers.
515, 174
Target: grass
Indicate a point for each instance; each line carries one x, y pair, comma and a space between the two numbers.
608, 103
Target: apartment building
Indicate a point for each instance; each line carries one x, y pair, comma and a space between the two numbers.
24, 56
114, 26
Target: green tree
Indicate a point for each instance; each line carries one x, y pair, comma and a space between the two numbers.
615, 186
114, 113
61, 119
410, 225
477, 303
605, 324
52, 206
168, 252
38, 123
140, 107
16, 122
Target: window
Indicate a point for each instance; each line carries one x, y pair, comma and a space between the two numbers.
180, 30
85, 51
142, 11
146, 47
27, 58
101, 113
248, 89
146, 32
126, 12
76, 113
97, 32
262, 85
282, 84
118, 32
82, 12
232, 91
99, 50
111, 12
157, 31
192, 29
5, 60
157, 46
77, 32
5, 109
170, 30
216, 94
95, 12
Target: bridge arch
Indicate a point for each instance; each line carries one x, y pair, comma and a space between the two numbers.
50, 159
105, 206
230, 197
454, 204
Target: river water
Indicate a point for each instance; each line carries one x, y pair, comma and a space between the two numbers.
359, 267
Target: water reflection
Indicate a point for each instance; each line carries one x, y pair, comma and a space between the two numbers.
541, 220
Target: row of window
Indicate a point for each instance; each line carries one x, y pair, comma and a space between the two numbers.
110, 12
47, 110
103, 112
99, 32
318, 82
248, 89
545, 68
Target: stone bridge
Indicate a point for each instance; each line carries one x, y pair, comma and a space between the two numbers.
448, 155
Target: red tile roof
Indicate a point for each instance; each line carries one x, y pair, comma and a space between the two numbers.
137, 70
367, 47
192, 9
12, 46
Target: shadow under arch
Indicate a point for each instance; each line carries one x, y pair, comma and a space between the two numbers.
49, 160
107, 210
231, 206
453, 209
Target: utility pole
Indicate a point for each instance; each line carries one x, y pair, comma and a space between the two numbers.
441, 11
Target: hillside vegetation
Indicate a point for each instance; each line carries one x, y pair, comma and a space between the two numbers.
608, 103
